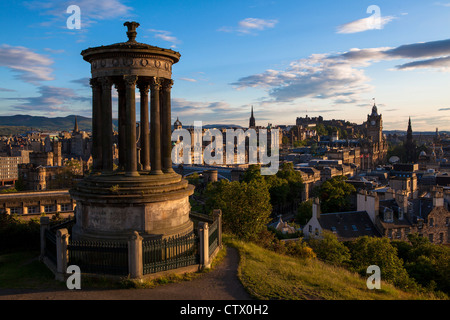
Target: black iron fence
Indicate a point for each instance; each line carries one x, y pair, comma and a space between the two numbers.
99, 257
171, 253
50, 245
213, 239
126, 258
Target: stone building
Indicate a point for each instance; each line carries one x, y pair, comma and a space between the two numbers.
32, 204
345, 225
404, 177
397, 216
394, 217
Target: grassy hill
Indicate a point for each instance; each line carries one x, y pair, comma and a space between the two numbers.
45, 123
271, 276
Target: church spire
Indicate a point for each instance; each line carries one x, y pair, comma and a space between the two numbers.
409, 132
410, 144
252, 123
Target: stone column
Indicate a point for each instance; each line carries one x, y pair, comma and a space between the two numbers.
135, 267
62, 255
106, 125
96, 124
131, 154
166, 126
203, 234
144, 88
122, 123
155, 129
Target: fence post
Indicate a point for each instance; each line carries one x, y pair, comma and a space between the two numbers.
217, 213
203, 233
135, 266
62, 255
44, 225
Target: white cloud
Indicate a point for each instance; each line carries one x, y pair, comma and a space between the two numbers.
166, 36
26, 64
50, 99
361, 25
188, 79
251, 25
319, 76
341, 77
90, 10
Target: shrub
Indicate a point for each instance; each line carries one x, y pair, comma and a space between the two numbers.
330, 250
299, 249
18, 235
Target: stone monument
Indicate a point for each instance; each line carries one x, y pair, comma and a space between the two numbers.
143, 193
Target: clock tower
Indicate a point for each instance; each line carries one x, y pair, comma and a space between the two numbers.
375, 126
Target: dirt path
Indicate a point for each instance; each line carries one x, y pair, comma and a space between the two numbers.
221, 283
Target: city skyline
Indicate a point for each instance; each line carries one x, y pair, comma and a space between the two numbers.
287, 59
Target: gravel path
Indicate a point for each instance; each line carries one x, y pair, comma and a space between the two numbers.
221, 283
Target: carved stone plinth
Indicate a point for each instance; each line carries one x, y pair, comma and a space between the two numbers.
112, 207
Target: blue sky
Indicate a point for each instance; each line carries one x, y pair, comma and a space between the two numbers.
286, 58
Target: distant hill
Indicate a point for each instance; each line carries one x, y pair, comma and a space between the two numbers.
45, 123
11, 124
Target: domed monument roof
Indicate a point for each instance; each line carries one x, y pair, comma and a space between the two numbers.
142, 58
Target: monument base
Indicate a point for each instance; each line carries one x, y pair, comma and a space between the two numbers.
112, 207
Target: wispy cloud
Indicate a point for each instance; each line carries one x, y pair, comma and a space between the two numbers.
30, 67
444, 109
91, 11
318, 76
251, 26
50, 99
447, 4
188, 79
7, 90
365, 24
166, 36
341, 77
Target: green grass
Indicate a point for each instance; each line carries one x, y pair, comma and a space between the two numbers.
24, 270
270, 276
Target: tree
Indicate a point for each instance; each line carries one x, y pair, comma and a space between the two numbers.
366, 251
245, 206
330, 250
285, 186
334, 194
304, 212
427, 263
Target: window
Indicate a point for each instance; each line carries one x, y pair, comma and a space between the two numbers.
431, 222
16, 210
430, 237
49, 208
354, 228
333, 229
441, 237
66, 207
33, 209
310, 228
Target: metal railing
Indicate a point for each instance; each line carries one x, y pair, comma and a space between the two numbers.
213, 237
99, 257
171, 253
